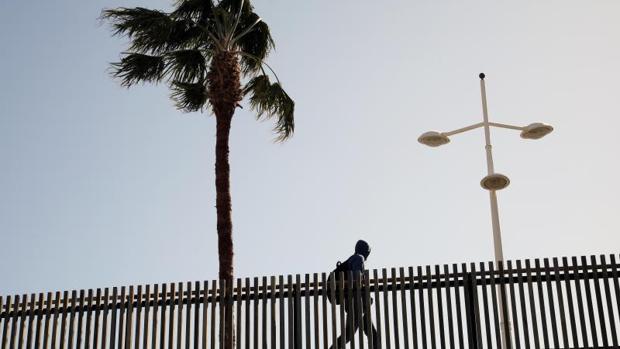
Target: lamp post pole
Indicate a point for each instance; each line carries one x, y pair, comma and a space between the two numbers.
497, 233
492, 182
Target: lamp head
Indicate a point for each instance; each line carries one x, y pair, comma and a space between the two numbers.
495, 181
433, 139
536, 130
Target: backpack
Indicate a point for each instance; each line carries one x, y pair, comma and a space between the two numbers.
341, 267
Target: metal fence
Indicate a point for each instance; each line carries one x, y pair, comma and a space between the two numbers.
549, 303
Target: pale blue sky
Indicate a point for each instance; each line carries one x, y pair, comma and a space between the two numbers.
105, 186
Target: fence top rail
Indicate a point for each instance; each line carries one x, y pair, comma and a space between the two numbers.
313, 284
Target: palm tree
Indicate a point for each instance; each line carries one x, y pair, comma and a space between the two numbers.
211, 54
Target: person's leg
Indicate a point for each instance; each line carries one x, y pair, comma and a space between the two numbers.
350, 327
370, 328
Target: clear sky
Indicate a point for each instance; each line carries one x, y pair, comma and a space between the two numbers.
102, 186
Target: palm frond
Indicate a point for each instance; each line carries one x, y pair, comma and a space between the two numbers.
199, 10
152, 31
270, 100
186, 65
138, 67
256, 42
189, 97
233, 5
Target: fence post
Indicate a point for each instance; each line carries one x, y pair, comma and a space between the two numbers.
470, 312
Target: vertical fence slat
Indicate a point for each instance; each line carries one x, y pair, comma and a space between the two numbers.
522, 301
554, 325
146, 313
541, 298
494, 290
414, 330
297, 312
324, 310
104, 324
485, 305
369, 327
533, 312
171, 320
569, 298
179, 310
14, 322
162, 316
457, 299
255, 292
431, 306
5, 322
386, 314
197, 314
213, 311
599, 301
154, 317
113, 308
306, 312
264, 336
222, 304
121, 318
333, 294
349, 303
582, 318
48, 318
449, 307
188, 314
205, 314
22, 322
89, 312
129, 320
174, 310
248, 329
72, 319
471, 305
343, 333
610, 310
614, 273
63, 319
513, 304
442, 337
272, 311
586, 284
139, 310
421, 303
395, 308
290, 317
504, 304
31, 318
316, 301
239, 299
80, 321
403, 302
281, 302
560, 295
39, 324
357, 305
375, 278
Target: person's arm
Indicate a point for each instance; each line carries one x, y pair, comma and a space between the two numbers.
357, 265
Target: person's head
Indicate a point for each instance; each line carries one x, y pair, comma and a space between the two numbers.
362, 247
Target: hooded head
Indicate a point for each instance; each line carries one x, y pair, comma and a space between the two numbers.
362, 247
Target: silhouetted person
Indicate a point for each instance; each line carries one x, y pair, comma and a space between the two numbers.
355, 264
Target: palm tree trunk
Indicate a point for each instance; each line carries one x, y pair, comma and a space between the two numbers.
224, 87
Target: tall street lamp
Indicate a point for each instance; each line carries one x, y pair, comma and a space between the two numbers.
493, 181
